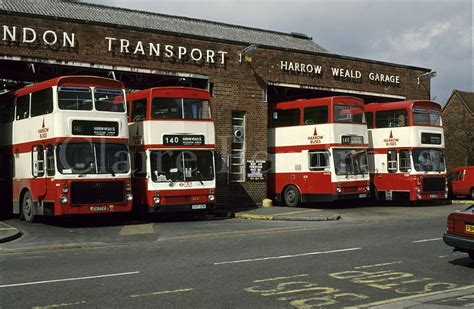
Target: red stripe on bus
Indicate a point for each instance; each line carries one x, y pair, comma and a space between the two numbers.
26, 147
299, 148
161, 146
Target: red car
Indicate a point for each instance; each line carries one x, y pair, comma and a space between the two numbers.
460, 233
461, 181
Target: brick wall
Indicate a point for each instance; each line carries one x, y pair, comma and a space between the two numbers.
237, 86
459, 136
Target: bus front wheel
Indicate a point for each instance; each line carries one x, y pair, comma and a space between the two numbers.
291, 196
27, 211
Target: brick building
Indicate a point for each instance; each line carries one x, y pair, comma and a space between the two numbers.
245, 69
458, 118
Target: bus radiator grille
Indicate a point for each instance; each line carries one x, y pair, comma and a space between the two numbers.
97, 192
433, 184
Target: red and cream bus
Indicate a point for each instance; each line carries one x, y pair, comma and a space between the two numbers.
172, 141
318, 149
66, 141
406, 144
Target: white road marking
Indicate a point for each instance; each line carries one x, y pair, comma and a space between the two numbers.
68, 279
61, 305
426, 240
377, 265
286, 256
162, 293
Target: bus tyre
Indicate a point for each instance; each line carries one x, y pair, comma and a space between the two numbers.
291, 196
27, 211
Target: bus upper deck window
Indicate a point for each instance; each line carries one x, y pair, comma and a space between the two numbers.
75, 98
109, 100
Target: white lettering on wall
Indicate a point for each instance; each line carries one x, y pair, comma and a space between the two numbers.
169, 51
139, 48
210, 56
69, 40
50, 37
29, 35
345, 73
110, 42
198, 52
154, 49
181, 52
301, 67
222, 53
384, 78
124, 46
11, 33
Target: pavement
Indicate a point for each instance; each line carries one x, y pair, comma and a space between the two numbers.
280, 213
8, 232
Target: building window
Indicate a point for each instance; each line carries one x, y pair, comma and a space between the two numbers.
392, 163
318, 160
316, 115
237, 160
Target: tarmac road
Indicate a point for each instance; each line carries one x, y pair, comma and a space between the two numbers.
377, 256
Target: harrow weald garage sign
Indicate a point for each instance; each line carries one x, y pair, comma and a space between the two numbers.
339, 73
58, 40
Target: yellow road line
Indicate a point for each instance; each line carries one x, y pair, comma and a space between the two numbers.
280, 278
8, 225
8, 229
411, 297
462, 202
162, 293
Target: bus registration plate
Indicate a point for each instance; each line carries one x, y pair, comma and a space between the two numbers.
98, 208
199, 206
469, 228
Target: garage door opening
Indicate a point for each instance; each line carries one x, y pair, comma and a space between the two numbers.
17, 74
282, 93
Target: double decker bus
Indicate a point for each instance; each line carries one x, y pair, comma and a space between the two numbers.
406, 144
319, 150
66, 144
172, 140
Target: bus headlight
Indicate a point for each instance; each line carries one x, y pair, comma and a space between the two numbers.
339, 190
129, 197
418, 190
65, 189
63, 199
211, 197
367, 188
156, 200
